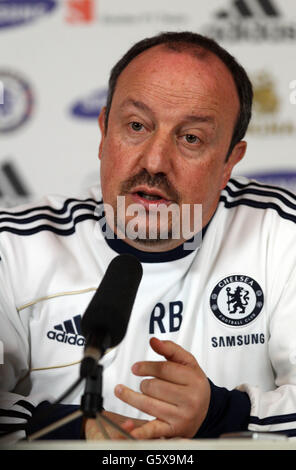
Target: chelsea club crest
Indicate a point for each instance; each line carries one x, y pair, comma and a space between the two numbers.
237, 300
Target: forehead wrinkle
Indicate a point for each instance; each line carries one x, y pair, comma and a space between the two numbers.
136, 104
172, 95
147, 76
195, 100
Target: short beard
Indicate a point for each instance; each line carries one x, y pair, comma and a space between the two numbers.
155, 241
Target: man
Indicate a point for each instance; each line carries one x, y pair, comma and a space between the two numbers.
219, 317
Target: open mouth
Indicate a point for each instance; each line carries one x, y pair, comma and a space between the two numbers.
149, 197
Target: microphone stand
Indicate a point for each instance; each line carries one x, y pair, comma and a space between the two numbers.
97, 326
91, 405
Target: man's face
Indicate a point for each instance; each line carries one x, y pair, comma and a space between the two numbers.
169, 130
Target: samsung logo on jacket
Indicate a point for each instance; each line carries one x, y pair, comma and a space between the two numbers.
240, 340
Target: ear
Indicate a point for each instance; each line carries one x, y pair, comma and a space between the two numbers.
101, 121
236, 155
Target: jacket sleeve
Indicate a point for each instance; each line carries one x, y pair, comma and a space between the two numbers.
22, 415
228, 412
15, 409
249, 406
275, 410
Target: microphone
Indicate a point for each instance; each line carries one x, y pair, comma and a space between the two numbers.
106, 318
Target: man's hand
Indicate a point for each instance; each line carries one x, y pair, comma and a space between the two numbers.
178, 395
93, 431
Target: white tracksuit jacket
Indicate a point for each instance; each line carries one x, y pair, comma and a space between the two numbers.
231, 303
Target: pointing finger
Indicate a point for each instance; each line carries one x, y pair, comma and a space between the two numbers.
173, 352
168, 371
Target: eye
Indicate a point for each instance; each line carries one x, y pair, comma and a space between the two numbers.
191, 138
136, 126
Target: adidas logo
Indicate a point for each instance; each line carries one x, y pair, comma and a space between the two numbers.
251, 9
251, 20
68, 332
13, 189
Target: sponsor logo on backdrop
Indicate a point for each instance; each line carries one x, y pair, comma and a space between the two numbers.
18, 100
166, 18
19, 12
87, 11
90, 106
284, 179
13, 188
80, 11
267, 119
251, 20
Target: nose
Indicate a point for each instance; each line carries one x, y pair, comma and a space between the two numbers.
156, 154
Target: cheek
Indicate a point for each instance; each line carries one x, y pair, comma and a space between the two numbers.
201, 185
114, 166
199, 181
112, 157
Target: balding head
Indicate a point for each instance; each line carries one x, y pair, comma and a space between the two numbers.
201, 46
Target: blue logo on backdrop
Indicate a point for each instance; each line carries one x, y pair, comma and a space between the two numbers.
285, 179
17, 101
90, 106
18, 12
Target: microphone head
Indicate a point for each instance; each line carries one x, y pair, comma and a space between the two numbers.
109, 311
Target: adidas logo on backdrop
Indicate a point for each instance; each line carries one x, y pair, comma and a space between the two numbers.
68, 332
253, 21
244, 9
13, 189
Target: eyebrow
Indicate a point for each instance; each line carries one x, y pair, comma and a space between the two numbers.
188, 118
136, 104
199, 118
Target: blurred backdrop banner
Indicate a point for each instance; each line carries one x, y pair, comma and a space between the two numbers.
55, 60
